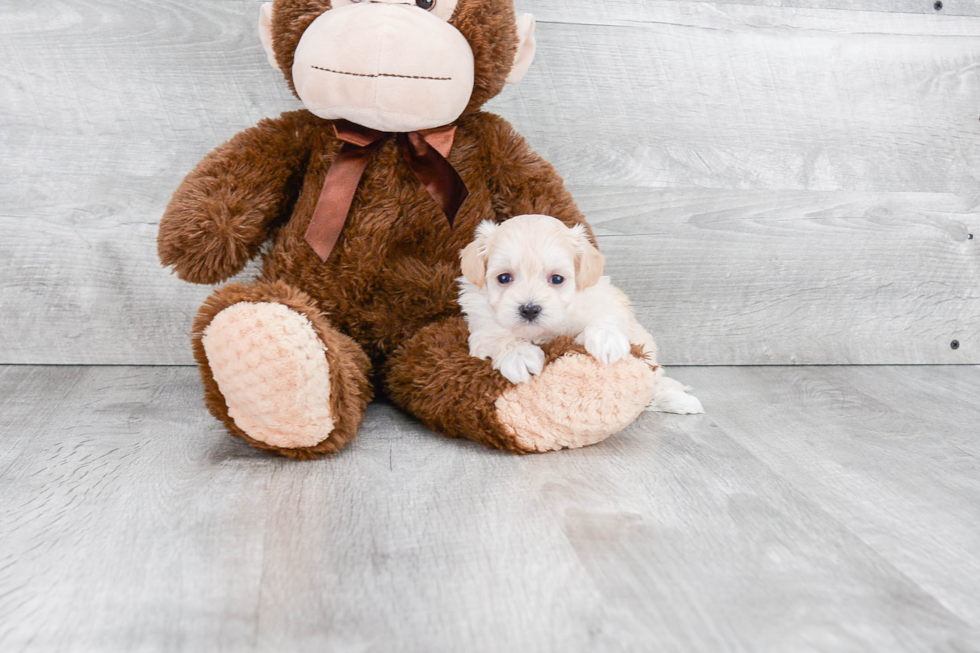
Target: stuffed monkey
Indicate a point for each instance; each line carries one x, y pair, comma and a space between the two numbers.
366, 199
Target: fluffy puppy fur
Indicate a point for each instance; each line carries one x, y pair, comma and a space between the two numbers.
530, 280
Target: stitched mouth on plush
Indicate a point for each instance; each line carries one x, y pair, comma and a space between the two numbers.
376, 75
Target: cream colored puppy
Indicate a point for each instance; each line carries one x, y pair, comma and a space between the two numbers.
531, 279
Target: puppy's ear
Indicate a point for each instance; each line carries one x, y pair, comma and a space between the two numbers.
474, 256
589, 263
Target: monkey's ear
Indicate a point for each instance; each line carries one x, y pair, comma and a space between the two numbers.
265, 33
474, 256
526, 47
589, 263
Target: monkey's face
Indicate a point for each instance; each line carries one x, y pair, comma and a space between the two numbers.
391, 65
388, 65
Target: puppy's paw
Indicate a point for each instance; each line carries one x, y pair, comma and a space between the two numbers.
606, 344
678, 402
520, 362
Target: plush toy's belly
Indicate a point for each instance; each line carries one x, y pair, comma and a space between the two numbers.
395, 266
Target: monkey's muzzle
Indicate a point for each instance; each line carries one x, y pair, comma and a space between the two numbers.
389, 67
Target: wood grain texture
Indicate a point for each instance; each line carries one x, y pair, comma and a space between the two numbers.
590, 11
810, 509
861, 126
796, 277
854, 437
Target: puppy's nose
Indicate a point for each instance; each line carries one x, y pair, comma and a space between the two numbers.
530, 312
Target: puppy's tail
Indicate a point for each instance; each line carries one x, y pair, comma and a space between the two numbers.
671, 396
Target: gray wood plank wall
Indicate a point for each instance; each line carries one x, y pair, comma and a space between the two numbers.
782, 181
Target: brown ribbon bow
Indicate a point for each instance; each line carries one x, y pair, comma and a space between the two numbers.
425, 151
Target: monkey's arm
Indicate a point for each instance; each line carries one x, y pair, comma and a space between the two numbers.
523, 182
220, 215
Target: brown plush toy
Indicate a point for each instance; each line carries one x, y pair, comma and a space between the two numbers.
367, 197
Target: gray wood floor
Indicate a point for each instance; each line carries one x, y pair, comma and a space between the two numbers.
811, 509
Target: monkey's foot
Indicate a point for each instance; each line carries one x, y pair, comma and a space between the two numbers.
272, 369
575, 402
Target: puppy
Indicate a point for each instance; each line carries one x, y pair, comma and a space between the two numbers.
531, 279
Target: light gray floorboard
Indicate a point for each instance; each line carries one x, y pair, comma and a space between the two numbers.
900, 461
810, 509
776, 167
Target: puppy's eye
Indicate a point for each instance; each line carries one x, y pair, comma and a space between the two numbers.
504, 279
557, 279
426, 4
